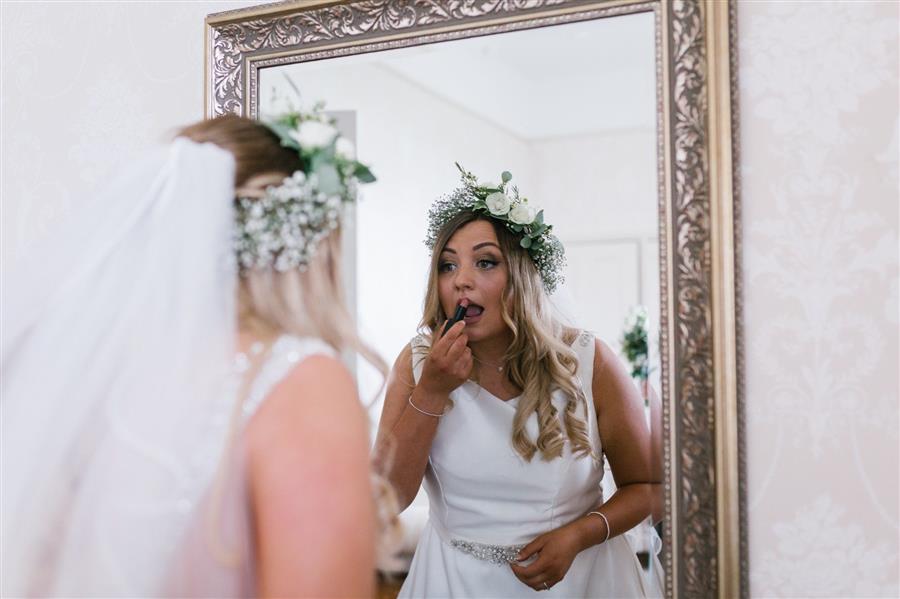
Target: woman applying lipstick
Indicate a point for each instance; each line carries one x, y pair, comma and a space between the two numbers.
506, 417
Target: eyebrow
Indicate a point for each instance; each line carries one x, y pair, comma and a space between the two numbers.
486, 243
476, 247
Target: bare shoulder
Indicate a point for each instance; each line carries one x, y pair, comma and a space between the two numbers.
611, 382
308, 470
401, 375
400, 386
318, 396
604, 357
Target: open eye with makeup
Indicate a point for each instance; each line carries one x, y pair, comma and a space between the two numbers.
472, 267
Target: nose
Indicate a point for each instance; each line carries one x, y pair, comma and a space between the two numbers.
463, 278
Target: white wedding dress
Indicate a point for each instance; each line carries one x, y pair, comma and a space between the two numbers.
121, 414
215, 558
484, 498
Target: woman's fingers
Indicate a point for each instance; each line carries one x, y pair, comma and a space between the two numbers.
449, 362
443, 344
458, 348
542, 570
538, 579
532, 570
537, 582
531, 548
467, 360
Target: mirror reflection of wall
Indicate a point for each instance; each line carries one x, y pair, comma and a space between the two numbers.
569, 110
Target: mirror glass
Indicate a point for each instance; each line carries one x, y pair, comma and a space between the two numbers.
570, 110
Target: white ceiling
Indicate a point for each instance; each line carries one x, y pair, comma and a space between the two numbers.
573, 79
584, 77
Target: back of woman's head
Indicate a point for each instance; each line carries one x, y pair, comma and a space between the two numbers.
256, 149
308, 302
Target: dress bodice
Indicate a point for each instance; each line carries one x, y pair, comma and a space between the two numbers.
481, 490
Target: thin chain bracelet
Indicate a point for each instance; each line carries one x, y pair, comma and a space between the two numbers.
606, 522
414, 407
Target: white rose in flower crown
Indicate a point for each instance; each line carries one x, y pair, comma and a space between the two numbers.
522, 214
313, 134
345, 149
498, 203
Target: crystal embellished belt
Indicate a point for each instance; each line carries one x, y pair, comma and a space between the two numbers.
495, 554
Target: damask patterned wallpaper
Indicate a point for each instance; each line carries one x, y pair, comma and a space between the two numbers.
87, 87
819, 127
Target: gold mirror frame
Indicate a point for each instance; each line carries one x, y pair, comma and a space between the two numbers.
705, 541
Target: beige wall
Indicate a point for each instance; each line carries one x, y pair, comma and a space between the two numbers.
86, 87
818, 93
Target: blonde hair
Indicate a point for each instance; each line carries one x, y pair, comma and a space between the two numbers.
540, 358
308, 303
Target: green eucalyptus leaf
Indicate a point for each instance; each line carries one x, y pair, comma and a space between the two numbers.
327, 151
506, 176
363, 174
329, 179
284, 134
525, 242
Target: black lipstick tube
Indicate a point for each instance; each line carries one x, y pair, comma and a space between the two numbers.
457, 316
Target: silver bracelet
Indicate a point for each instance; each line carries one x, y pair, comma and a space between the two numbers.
421, 410
607, 525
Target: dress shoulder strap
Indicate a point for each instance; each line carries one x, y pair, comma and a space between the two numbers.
285, 353
420, 345
584, 346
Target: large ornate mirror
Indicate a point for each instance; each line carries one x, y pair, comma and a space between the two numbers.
617, 116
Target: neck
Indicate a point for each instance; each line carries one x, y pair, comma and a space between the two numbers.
492, 350
251, 330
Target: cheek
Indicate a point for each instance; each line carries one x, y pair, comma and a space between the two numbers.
445, 293
497, 285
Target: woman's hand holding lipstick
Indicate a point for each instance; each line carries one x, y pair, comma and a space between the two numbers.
449, 363
457, 316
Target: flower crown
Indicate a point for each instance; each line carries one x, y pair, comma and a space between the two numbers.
502, 202
282, 229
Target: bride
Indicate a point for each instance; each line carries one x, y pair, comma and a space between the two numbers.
506, 416
175, 416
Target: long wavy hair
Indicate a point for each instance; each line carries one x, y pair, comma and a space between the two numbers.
540, 358
308, 303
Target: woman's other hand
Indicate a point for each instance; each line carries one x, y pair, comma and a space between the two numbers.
555, 551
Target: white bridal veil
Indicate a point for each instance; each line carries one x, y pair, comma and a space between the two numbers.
116, 353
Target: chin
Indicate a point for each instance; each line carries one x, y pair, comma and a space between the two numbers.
479, 331
473, 334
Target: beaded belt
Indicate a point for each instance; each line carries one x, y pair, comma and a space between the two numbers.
495, 554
